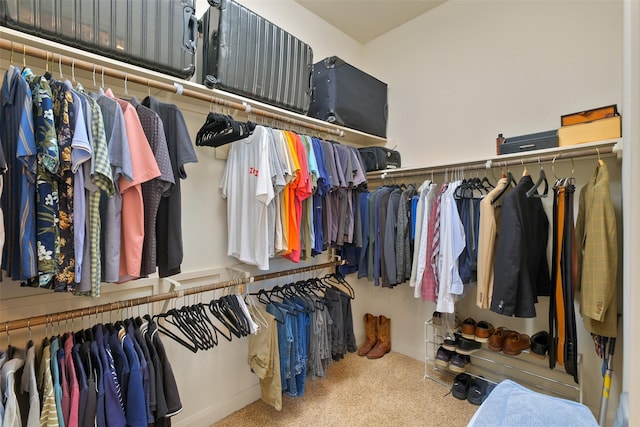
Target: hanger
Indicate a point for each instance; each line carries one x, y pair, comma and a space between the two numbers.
174, 319
525, 172
600, 161
220, 129
510, 182
541, 179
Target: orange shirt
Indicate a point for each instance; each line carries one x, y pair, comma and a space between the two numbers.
301, 191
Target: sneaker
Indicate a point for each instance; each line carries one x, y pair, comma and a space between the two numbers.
467, 346
459, 362
451, 341
469, 328
443, 356
478, 390
460, 386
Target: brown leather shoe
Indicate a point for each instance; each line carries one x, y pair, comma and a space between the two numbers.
383, 346
484, 330
469, 328
515, 343
371, 329
496, 340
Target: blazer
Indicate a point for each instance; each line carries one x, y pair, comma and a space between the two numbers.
521, 267
597, 240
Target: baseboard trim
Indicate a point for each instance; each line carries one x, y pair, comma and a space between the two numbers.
219, 409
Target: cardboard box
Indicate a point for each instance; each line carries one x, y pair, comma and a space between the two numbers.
597, 130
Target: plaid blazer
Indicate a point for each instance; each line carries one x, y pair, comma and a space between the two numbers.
597, 240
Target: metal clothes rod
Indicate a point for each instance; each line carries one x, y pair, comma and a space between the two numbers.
56, 58
118, 305
531, 158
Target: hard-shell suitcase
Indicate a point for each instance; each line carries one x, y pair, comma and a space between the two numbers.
347, 96
156, 34
243, 53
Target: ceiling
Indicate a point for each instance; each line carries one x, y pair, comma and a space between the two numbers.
364, 20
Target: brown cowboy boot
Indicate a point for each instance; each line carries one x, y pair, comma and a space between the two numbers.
383, 346
371, 329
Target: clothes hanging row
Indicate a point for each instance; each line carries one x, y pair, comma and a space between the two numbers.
92, 193
309, 325
290, 195
27, 323
116, 374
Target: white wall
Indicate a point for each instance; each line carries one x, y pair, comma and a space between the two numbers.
457, 76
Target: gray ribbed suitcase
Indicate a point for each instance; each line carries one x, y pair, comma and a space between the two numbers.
243, 53
155, 34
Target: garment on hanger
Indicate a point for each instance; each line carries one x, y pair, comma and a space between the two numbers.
596, 232
521, 268
490, 214
170, 250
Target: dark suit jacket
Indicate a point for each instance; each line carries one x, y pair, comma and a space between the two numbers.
521, 268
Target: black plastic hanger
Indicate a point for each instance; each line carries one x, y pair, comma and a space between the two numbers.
220, 129
510, 181
532, 192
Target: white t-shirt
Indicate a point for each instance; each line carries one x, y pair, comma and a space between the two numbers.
247, 186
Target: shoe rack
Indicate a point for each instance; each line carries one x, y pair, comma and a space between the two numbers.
526, 369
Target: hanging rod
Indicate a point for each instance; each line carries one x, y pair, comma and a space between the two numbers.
175, 87
118, 305
570, 152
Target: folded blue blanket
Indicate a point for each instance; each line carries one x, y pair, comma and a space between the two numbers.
511, 405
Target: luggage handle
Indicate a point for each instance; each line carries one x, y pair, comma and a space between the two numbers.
190, 30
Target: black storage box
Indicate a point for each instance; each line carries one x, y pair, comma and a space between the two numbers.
532, 141
156, 34
347, 96
243, 53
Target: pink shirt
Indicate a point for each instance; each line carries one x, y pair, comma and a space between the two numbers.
145, 168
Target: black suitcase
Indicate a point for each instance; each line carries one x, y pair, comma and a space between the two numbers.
243, 53
156, 34
347, 96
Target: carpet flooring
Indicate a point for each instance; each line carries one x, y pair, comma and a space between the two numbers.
357, 391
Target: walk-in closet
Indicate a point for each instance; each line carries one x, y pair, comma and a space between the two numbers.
180, 251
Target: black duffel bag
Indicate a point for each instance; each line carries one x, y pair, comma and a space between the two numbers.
379, 158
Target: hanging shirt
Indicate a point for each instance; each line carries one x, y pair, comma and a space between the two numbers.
48, 413
420, 252
154, 189
278, 181
29, 385
81, 153
46, 183
111, 206
65, 121
145, 168
246, 184
19, 147
100, 181
451, 245
169, 218
12, 417
301, 192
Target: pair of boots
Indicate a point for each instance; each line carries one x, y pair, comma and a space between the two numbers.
378, 330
